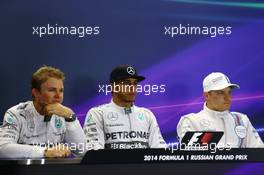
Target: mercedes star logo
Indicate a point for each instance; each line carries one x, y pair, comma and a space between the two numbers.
112, 116
131, 70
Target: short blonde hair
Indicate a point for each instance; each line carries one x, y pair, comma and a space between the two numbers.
42, 75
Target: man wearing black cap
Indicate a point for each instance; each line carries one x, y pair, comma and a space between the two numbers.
120, 124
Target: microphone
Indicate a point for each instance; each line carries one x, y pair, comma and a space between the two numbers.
128, 110
47, 118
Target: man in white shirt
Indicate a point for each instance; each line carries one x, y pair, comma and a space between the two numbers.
121, 124
42, 127
215, 116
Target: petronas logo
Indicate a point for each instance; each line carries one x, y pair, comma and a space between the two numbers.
58, 123
141, 117
10, 119
89, 119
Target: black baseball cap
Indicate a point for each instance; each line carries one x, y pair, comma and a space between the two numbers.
124, 71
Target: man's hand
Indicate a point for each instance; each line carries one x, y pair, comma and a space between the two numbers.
58, 109
58, 151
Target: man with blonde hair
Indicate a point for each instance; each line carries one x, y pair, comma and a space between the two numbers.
42, 127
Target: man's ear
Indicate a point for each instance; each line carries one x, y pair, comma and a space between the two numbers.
206, 95
35, 93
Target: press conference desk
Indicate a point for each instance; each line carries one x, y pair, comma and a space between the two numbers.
151, 161
51, 161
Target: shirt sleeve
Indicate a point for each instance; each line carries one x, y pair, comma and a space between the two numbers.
9, 136
76, 138
155, 138
252, 139
183, 126
94, 130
